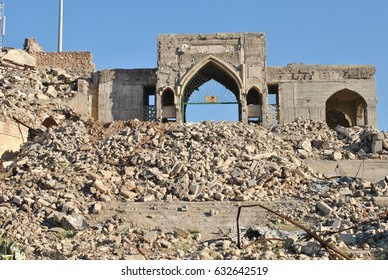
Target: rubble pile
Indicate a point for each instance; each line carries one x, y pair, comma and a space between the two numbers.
32, 95
54, 190
312, 139
61, 180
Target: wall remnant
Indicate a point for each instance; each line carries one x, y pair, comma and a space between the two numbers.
337, 94
73, 62
120, 94
12, 136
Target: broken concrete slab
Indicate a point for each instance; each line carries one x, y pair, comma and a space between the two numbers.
20, 58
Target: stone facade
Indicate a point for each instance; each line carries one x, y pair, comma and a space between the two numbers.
338, 94
121, 94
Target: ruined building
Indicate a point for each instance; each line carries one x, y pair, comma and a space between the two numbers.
337, 94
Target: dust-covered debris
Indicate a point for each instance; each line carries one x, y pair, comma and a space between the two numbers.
60, 181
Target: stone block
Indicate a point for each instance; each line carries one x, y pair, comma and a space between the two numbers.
348, 238
377, 146
97, 208
151, 236
100, 186
306, 145
74, 222
17, 200
337, 155
381, 201
324, 208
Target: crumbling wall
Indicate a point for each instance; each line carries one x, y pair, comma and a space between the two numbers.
120, 93
79, 63
240, 55
304, 89
12, 135
73, 62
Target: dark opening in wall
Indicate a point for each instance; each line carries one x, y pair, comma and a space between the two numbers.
168, 106
254, 102
149, 110
273, 104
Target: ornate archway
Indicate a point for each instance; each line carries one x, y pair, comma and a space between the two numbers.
211, 82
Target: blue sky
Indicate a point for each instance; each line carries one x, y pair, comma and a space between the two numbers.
123, 33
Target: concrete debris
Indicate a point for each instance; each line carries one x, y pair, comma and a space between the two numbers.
74, 222
73, 173
19, 58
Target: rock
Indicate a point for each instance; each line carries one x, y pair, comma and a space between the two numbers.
377, 146
74, 222
306, 145
148, 198
348, 238
323, 207
106, 173
183, 208
51, 91
128, 194
195, 190
336, 224
136, 257
219, 196
382, 183
181, 232
97, 208
17, 200
385, 144
151, 236
380, 201
19, 57
165, 244
337, 155
41, 96
242, 198
311, 248
100, 186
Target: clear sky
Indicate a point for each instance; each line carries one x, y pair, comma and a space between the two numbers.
123, 33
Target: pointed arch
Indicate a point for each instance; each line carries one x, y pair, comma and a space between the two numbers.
210, 59
211, 71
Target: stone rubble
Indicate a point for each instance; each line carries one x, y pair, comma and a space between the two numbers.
61, 180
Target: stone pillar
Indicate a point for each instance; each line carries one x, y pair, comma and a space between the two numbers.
178, 104
158, 104
244, 107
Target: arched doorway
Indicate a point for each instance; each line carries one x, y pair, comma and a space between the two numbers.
254, 103
168, 106
211, 93
346, 108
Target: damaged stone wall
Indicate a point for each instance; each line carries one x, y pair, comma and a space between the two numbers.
119, 94
305, 89
239, 56
73, 62
12, 136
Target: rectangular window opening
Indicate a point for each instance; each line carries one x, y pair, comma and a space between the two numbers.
149, 95
273, 104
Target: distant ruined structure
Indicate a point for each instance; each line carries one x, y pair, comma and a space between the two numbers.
236, 65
